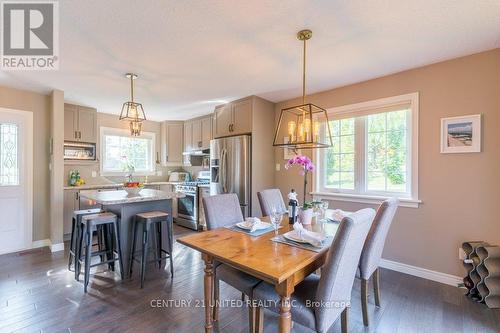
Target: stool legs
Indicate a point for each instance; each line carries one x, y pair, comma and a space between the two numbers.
170, 246
72, 249
134, 235
119, 248
144, 256
88, 244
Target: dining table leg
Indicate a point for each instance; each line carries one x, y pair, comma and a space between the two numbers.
285, 290
208, 285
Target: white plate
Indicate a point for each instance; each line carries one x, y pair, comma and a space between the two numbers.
294, 236
248, 226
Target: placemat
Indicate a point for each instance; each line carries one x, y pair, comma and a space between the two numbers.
255, 233
326, 243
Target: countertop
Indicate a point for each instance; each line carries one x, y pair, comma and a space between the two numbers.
122, 197
113, 185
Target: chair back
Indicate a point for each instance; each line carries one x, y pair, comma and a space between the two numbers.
271, 198
374, 244
338, 272
222, 210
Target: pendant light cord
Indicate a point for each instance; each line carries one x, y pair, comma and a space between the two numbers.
132, 87
304, 76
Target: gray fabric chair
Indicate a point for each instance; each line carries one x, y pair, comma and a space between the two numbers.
271, 198
220, 211
372, 253
335, 284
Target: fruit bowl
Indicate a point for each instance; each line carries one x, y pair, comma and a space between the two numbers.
133, 188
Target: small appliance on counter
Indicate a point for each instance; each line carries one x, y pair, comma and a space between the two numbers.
79, 151
179, 177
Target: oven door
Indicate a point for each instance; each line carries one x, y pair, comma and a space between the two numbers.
187, 207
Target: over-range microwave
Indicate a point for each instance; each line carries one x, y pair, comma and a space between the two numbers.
79, 151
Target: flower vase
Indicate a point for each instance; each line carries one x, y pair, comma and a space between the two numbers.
305, 216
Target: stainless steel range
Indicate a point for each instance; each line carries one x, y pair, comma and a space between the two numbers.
188, 207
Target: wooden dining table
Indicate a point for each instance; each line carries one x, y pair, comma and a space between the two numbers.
281, 265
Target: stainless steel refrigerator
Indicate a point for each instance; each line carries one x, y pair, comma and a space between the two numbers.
230, 169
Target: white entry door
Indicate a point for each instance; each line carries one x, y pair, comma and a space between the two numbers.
16, 180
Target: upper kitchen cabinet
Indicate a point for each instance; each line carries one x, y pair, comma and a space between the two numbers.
196, 142
206, 131
188, 136
223, 119
172, 143
234, 118
80, 123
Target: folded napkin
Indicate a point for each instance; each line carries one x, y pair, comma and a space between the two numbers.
256, 224
311, 237
338, 214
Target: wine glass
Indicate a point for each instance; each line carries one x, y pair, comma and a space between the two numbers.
275, 217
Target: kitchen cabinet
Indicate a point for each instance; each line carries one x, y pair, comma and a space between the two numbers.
172, 142
80, 123
71, 203
170, 188
188, 136
234, 118
206, 131
223, 120
196, 141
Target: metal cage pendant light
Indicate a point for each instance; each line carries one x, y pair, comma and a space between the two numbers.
303, 124
133, 111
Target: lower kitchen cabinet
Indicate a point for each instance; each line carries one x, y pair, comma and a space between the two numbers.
71, 203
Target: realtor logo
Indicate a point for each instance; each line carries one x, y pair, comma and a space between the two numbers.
30, 35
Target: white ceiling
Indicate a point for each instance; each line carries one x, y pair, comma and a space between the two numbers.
192, 55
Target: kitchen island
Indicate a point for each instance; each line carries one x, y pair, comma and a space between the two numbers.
126, 206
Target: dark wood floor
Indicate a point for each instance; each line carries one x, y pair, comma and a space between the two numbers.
38, 294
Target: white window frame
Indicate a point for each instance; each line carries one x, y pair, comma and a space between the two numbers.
126, 133
360, 194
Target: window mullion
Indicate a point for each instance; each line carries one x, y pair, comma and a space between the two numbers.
359, 154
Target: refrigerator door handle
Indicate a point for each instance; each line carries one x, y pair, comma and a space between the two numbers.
223, 170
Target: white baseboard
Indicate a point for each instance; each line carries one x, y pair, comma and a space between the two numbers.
57, 247
40, 243
448, 279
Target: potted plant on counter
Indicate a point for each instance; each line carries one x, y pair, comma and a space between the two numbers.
306, 211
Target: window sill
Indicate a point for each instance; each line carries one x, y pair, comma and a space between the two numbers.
367, 199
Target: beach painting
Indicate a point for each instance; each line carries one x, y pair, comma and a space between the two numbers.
461, 134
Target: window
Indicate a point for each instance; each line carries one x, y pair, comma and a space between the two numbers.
119, 147
374, 152
9, 165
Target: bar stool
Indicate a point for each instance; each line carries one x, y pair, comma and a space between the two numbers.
75, 231
104, 222
155, 219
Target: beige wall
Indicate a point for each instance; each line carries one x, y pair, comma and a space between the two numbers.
459, 191
40, 106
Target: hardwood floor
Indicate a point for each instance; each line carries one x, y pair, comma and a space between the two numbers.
38, 294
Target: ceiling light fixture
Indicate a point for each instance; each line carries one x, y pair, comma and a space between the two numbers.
304, 121
133, 111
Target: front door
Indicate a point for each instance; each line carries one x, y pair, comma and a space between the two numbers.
16, 180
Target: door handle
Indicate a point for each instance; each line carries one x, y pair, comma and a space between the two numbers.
76, 134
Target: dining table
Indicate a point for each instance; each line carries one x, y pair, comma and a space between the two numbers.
279, 264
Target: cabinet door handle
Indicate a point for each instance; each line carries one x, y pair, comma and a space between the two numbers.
79, 135
76, 134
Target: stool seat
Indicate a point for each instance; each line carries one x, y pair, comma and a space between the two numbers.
87, 211
152, 217
100, 218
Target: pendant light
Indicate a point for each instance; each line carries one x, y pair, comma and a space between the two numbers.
133, 111
303, 123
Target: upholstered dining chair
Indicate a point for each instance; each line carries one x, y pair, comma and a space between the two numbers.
372, 253
271, 198
329, 295
220, 211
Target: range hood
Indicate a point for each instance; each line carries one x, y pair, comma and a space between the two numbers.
199, 152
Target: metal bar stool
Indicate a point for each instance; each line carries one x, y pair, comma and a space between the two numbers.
75, 232
147, 220
104, 222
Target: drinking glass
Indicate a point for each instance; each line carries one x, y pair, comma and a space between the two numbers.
275, 217
323, 208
